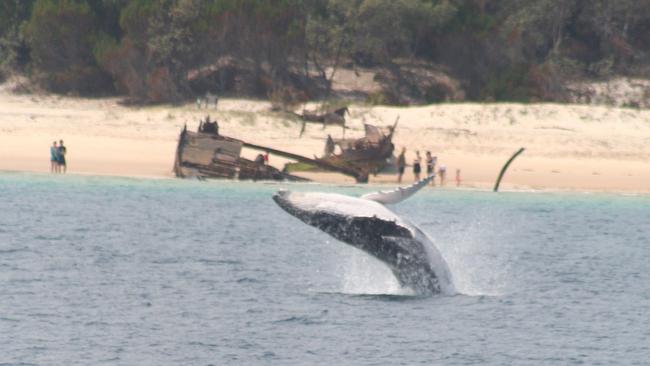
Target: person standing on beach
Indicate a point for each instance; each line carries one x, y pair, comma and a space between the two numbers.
431, 166
417, 167
54, 158
442, 171
457, 177
401, 165
62, 151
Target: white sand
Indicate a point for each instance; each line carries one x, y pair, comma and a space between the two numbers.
568, 147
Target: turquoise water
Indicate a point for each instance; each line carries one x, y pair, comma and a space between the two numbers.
160, 272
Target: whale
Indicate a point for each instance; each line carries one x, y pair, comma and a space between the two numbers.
366, 223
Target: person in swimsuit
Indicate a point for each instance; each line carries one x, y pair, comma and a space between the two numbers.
62, 151
54, 158
417, 168
442, 171
401, 165
431, 166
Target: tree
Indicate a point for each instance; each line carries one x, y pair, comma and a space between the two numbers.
142, 62
498, 49
14, 53
61, 37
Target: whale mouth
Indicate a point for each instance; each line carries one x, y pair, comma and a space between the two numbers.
280, 195
282, 198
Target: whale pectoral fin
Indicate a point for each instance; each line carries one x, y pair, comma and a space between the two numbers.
398, 194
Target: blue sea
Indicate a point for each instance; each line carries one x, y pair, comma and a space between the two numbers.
113, 271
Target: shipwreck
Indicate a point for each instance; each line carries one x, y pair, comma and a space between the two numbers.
369, 154
208, 154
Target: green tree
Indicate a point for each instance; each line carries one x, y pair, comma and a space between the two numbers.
14, 53
61, 36
498, 49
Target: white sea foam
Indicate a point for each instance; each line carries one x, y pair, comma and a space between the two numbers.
364, 274
440, 265
475, 273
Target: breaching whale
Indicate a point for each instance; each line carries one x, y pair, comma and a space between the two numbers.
365, 223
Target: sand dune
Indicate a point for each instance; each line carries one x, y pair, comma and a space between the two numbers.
568, 147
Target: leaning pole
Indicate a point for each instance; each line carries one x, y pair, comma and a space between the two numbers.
505, 167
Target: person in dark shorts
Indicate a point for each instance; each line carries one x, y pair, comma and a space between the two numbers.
401, 165
417, 166
62, 151
431, 166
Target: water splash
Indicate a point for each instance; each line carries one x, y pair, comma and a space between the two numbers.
476, 268
363, 274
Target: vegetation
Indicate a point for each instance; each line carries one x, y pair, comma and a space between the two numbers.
299, 167
289, 50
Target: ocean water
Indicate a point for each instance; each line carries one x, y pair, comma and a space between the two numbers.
168, 272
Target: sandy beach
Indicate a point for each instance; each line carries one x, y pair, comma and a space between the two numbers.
568, 147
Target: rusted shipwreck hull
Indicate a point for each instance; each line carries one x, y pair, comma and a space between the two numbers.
210, 155
368, 154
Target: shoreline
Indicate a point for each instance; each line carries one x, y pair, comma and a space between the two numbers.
569, 148
379, 185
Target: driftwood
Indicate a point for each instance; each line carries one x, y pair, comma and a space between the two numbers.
505, 167
336, 118
360, 175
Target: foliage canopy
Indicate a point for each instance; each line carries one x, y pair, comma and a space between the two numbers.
170, 50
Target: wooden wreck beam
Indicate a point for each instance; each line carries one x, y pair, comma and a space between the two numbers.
179, 153
359, 175
505, 167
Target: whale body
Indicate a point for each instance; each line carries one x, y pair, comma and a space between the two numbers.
365, 223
